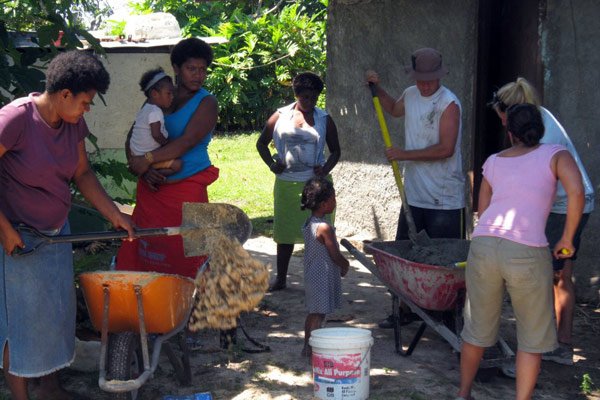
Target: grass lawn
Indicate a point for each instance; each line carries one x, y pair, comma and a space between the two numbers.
244, 179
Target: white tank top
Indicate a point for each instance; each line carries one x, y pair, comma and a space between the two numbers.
437, 184
300, 149
556, 134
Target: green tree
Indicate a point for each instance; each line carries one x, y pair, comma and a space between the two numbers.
55, 23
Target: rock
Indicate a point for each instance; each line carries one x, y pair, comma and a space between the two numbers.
152, 26
87, 356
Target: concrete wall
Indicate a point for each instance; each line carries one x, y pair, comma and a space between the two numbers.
124, 98
570, 59
382, 35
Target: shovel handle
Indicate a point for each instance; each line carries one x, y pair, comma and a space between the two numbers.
108, 235
89, 237
385, 134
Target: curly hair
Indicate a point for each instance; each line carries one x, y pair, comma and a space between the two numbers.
525, 123
307, 81
77, 71
148, 76
191, 48
316, 191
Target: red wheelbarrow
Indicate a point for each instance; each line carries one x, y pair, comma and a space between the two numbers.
434, 293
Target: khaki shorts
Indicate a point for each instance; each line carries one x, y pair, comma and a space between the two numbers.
526, 272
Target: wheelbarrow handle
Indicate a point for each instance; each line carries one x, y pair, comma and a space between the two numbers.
361, 257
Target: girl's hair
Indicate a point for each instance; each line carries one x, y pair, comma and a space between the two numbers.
191, 48
307, 81
148, 76
525, 123
512, 93
77, 71
316, 191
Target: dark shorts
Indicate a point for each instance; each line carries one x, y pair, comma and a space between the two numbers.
446, 224
554, 231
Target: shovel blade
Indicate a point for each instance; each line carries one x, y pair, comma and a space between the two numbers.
201, 221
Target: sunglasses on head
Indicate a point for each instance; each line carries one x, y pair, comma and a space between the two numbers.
497, 103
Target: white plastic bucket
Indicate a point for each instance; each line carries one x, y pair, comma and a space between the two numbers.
341, 359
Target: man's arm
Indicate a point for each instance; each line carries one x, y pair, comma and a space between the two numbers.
449, 123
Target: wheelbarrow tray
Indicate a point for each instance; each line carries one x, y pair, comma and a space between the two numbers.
431, 287
425, 289
167, 300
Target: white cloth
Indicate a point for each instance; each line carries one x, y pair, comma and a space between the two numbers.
556, 134
299, 148
141, 138
438, 185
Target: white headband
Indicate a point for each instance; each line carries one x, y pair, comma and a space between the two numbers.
154, 80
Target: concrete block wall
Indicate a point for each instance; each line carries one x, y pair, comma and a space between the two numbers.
570, 57
382, 35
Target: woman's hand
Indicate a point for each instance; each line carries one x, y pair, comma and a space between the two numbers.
154, 179
138, 165
563, 249
319, 170
277, 167
123, 221
10, 240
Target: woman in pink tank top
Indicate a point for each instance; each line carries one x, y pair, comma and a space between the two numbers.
509, 248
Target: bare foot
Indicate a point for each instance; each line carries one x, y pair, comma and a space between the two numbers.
277, 285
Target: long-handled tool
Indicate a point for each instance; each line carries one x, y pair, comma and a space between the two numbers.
421, 238
199, 222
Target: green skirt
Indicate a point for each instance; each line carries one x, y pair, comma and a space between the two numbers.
288, 217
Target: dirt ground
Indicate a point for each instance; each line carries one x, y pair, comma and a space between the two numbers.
431, 372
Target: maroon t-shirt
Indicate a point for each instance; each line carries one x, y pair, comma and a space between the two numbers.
38, 165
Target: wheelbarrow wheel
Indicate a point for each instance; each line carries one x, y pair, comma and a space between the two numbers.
124, 361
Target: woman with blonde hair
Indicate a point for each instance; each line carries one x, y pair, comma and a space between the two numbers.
519, 92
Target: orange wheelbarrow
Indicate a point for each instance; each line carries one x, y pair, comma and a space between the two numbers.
127, 307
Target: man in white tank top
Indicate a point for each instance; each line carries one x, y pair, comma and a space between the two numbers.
434, 180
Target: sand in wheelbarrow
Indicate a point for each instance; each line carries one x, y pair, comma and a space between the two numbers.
440, 252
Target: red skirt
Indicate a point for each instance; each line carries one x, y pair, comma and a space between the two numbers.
164, 209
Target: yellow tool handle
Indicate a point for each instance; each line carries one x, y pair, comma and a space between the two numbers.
385, 134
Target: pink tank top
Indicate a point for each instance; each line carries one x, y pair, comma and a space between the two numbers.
523, 190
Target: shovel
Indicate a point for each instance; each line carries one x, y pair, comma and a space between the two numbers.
421, 238
199, 222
